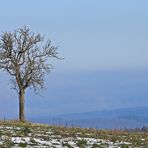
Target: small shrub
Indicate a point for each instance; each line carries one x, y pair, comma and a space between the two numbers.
114, 139
7, 143
81, 143
25, 131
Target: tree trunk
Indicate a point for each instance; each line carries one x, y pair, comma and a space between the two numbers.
21, 105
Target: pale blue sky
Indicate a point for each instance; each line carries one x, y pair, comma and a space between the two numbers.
105, 45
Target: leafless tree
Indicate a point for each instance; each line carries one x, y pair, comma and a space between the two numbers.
25, 57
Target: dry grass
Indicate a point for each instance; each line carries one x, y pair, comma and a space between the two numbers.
136, 138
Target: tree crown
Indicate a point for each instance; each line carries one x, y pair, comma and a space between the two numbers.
25, 56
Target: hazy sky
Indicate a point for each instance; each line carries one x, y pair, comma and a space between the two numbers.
105, 45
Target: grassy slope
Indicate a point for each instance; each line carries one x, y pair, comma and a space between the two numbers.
41, 131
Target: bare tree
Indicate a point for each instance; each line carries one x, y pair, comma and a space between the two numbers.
25, 57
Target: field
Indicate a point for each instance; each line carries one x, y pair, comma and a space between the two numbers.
16, 134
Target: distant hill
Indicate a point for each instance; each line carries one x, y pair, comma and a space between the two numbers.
107, 119
137, 111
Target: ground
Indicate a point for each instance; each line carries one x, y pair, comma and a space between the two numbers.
16, 134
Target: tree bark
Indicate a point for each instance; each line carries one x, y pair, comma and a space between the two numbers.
21, 105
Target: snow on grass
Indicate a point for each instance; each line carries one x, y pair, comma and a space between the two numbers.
45, 136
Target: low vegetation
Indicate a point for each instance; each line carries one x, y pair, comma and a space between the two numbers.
16, 134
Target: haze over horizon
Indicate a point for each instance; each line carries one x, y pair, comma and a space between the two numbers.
105, 47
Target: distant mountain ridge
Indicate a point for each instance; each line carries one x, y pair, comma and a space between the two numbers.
136, 111
108, 119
